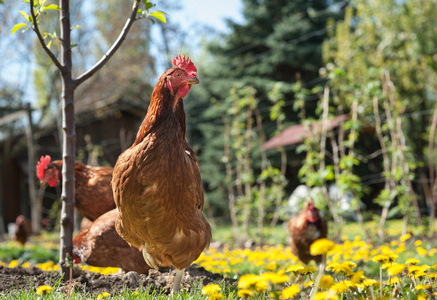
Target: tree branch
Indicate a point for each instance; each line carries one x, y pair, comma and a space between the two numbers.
112, 50
41, 39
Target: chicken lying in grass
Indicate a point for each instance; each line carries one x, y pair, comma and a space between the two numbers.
306, 228
156, 182
100, 245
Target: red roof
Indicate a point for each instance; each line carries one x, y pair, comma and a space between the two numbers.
295, 134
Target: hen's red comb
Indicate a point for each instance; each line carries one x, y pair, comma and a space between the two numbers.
186, 64
42, 164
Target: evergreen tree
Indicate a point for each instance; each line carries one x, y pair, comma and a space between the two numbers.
279, 41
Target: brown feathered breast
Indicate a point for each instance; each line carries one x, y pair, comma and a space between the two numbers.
303, 233
100, 245
93, 189
157, 186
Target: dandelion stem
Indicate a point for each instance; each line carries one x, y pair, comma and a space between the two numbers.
380, 281
319, 277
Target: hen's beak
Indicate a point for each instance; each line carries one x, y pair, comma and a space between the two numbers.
193, 80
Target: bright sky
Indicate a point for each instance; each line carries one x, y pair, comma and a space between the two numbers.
210, 12
194, 17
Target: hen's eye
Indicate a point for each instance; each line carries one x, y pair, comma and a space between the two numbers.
178, 74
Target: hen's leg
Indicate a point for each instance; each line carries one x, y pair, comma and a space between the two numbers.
177, 279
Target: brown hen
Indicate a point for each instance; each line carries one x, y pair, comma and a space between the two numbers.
156, 183
307, 227
93, 185
100, 245
23, 230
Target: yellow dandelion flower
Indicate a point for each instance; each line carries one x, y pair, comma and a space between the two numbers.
412, 270
369, 282
386, 265
340, 287
432, 252
357, 276
393, 281
339, 268
434, 266
420, 274
309, 283
395, 269
307, 270
321, 246
215, 296
296, 268
405, 237
425, 268
417, 243
275, 278
422, 251
392, 257
422, 287
44, 290
326, 282
380, 258
262, 285
246, 281
245, 293
290, 291
325, 295
103, 295
432, 275
412, 261
350, 264
26, 264
2, 263
13, 264
272, 266
211, 289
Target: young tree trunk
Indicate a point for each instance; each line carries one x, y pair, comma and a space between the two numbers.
433, 199
35, 205
68, 140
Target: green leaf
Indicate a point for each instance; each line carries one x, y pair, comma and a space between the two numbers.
25, 15
160, 15
51, 6
148, 5
17, 26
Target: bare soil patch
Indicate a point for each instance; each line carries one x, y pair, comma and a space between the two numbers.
95, 283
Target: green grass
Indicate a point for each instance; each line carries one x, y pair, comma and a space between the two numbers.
127, 294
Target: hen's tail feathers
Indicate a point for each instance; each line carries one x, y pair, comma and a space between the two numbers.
178, 279
149, 259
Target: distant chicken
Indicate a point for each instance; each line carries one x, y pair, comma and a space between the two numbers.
100, 245
23, 230
307, 227
156, 182
93, 185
